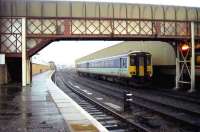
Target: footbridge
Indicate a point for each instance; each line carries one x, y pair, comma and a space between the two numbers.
27, 26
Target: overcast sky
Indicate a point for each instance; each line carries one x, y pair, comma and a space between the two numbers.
65, 52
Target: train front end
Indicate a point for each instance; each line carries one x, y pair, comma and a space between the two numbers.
140, 67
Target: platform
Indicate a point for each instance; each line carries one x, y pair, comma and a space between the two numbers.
42, 107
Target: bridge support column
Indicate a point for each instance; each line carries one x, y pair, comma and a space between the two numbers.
28, 71
24, 56
192, 88
177, 66
185, 64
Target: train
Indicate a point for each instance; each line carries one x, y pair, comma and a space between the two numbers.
132, 65
137, 62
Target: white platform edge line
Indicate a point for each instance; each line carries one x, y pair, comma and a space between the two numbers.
88, 116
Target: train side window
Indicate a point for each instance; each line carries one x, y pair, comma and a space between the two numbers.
123, 62
106, 63
116, 63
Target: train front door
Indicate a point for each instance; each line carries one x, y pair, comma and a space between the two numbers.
141, 65
123, 66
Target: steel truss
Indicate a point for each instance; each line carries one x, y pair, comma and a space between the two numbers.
90, 28
84, 27
11, 35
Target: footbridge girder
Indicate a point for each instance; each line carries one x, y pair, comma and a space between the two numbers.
41, 31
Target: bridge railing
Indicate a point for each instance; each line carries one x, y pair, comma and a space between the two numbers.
10, 35
108, 27
89, 28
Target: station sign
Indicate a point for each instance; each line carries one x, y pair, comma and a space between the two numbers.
2, 59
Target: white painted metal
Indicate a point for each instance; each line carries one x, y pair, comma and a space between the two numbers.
28, 72
24, 58
177, 68
192, 89
182, 66
2, 59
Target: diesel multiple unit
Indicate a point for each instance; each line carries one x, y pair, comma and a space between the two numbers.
133, 65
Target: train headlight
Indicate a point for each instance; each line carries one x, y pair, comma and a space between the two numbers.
149, 73
132, 73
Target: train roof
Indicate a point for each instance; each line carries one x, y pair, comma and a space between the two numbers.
135, 52
117, 56
162, 53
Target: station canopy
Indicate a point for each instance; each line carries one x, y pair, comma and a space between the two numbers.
64, 9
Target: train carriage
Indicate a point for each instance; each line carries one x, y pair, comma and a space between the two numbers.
135, 65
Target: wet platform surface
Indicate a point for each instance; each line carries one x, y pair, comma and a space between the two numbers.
29, 109
42, 107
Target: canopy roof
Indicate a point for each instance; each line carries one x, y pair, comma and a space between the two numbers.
43, 8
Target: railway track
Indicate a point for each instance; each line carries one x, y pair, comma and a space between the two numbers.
168, 108
176, 95
107, 117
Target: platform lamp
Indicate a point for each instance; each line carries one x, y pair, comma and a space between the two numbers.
185, 49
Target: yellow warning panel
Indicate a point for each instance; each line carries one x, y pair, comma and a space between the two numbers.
83, 127
141, 70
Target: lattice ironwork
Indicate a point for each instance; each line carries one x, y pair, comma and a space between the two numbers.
38, 26
10, 32
183, 64
183, 29
70, 27
34, 26
120, 27
78, 27
133, 27
146, 28
36, 44
49, 26
32, 43
92, 27
83, 27
105, 27
168, 28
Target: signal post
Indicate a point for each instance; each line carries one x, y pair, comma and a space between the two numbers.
185, 63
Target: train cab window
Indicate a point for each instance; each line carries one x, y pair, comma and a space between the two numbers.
141, 61
132, 61
148, 60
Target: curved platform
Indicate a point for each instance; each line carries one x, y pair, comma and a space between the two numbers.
42, 107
